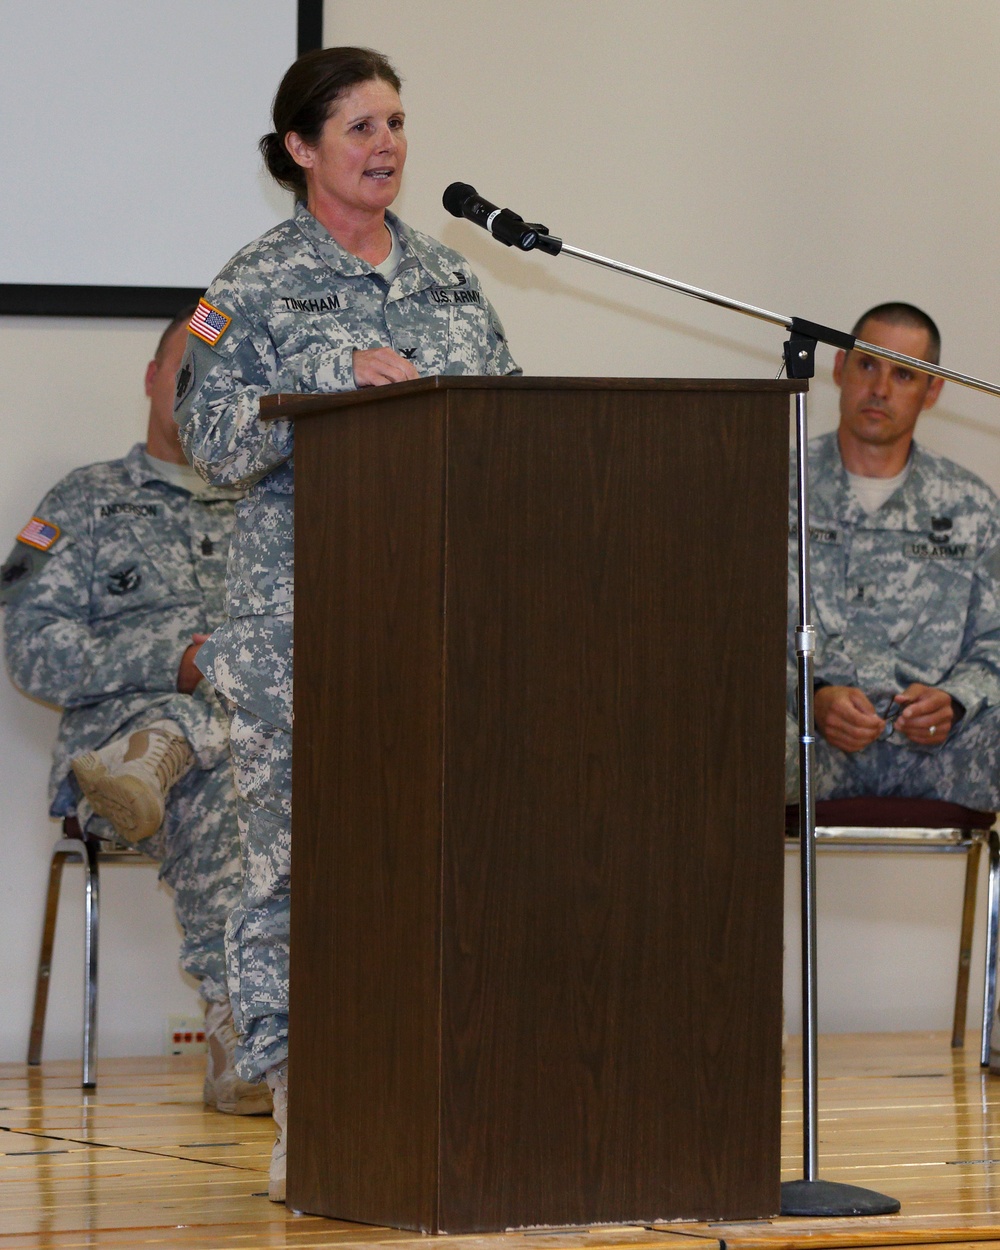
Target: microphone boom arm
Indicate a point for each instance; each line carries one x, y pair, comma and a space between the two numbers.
808, 329
510, 228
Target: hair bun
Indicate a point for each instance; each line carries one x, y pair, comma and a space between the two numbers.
279, 163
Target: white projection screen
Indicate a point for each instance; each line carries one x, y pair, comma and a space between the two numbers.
149, 112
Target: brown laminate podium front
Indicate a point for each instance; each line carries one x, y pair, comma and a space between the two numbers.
538, 779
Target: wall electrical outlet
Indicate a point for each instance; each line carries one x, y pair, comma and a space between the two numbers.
185, 1035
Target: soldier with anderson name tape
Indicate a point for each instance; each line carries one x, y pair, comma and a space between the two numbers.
905, 558
109, 592
342, 295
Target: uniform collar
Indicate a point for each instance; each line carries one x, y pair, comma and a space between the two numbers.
416, 256
910, 506
829, 489
142, 473
431, 262
831, 493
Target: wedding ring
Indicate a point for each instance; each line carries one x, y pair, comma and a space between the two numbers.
933, 730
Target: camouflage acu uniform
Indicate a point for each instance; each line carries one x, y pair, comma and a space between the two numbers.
97, 624
287, 314
908, 594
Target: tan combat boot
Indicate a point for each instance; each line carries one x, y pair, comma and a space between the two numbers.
127, 781
277, 1079
223, 1089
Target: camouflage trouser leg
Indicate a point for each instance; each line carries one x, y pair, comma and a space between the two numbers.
257, 933
200, 716
198, 843
964, 769
199, 846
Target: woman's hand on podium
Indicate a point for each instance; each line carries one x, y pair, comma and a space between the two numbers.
379, 366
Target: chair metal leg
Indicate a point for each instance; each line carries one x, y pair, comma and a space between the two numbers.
965, 944
992, 925
86, 851
92, 917
43, 977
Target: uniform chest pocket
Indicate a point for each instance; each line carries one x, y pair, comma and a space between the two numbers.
451, 335
298, 333
134, 571
211, 529
128, 585
468, 335
930, 628
312, 322
828, 562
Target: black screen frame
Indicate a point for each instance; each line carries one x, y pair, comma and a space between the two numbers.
50, 300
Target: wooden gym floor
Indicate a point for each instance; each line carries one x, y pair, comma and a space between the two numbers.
142, 1164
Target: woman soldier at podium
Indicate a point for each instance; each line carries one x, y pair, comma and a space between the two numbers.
342, 295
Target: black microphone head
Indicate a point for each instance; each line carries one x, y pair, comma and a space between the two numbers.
455, 197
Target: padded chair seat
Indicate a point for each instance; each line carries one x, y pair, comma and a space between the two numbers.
872, 812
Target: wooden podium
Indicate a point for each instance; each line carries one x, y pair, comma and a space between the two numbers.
538, 775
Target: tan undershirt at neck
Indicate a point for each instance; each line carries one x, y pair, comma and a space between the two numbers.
872, 492
387, 268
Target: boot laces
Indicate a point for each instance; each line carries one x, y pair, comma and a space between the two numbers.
169, 756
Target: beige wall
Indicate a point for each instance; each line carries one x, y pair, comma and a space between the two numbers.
664, 133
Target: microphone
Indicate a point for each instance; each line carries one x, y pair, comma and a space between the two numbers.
506, 226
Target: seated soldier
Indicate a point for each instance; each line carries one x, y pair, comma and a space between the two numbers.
905, 591
110, 590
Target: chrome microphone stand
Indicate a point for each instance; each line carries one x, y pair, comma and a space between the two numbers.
810, 1195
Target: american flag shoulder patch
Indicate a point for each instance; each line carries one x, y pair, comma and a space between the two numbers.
209, 323
39, 533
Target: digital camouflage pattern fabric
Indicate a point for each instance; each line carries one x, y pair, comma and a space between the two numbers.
287, 314
96, 624
257, 945
908, 594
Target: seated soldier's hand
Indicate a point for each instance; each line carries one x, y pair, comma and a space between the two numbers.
927, 715
188, 675
846, 718
380, 366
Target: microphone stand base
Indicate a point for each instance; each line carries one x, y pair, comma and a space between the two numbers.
831, 1198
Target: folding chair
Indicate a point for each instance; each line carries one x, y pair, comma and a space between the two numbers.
924, 825
90, 851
